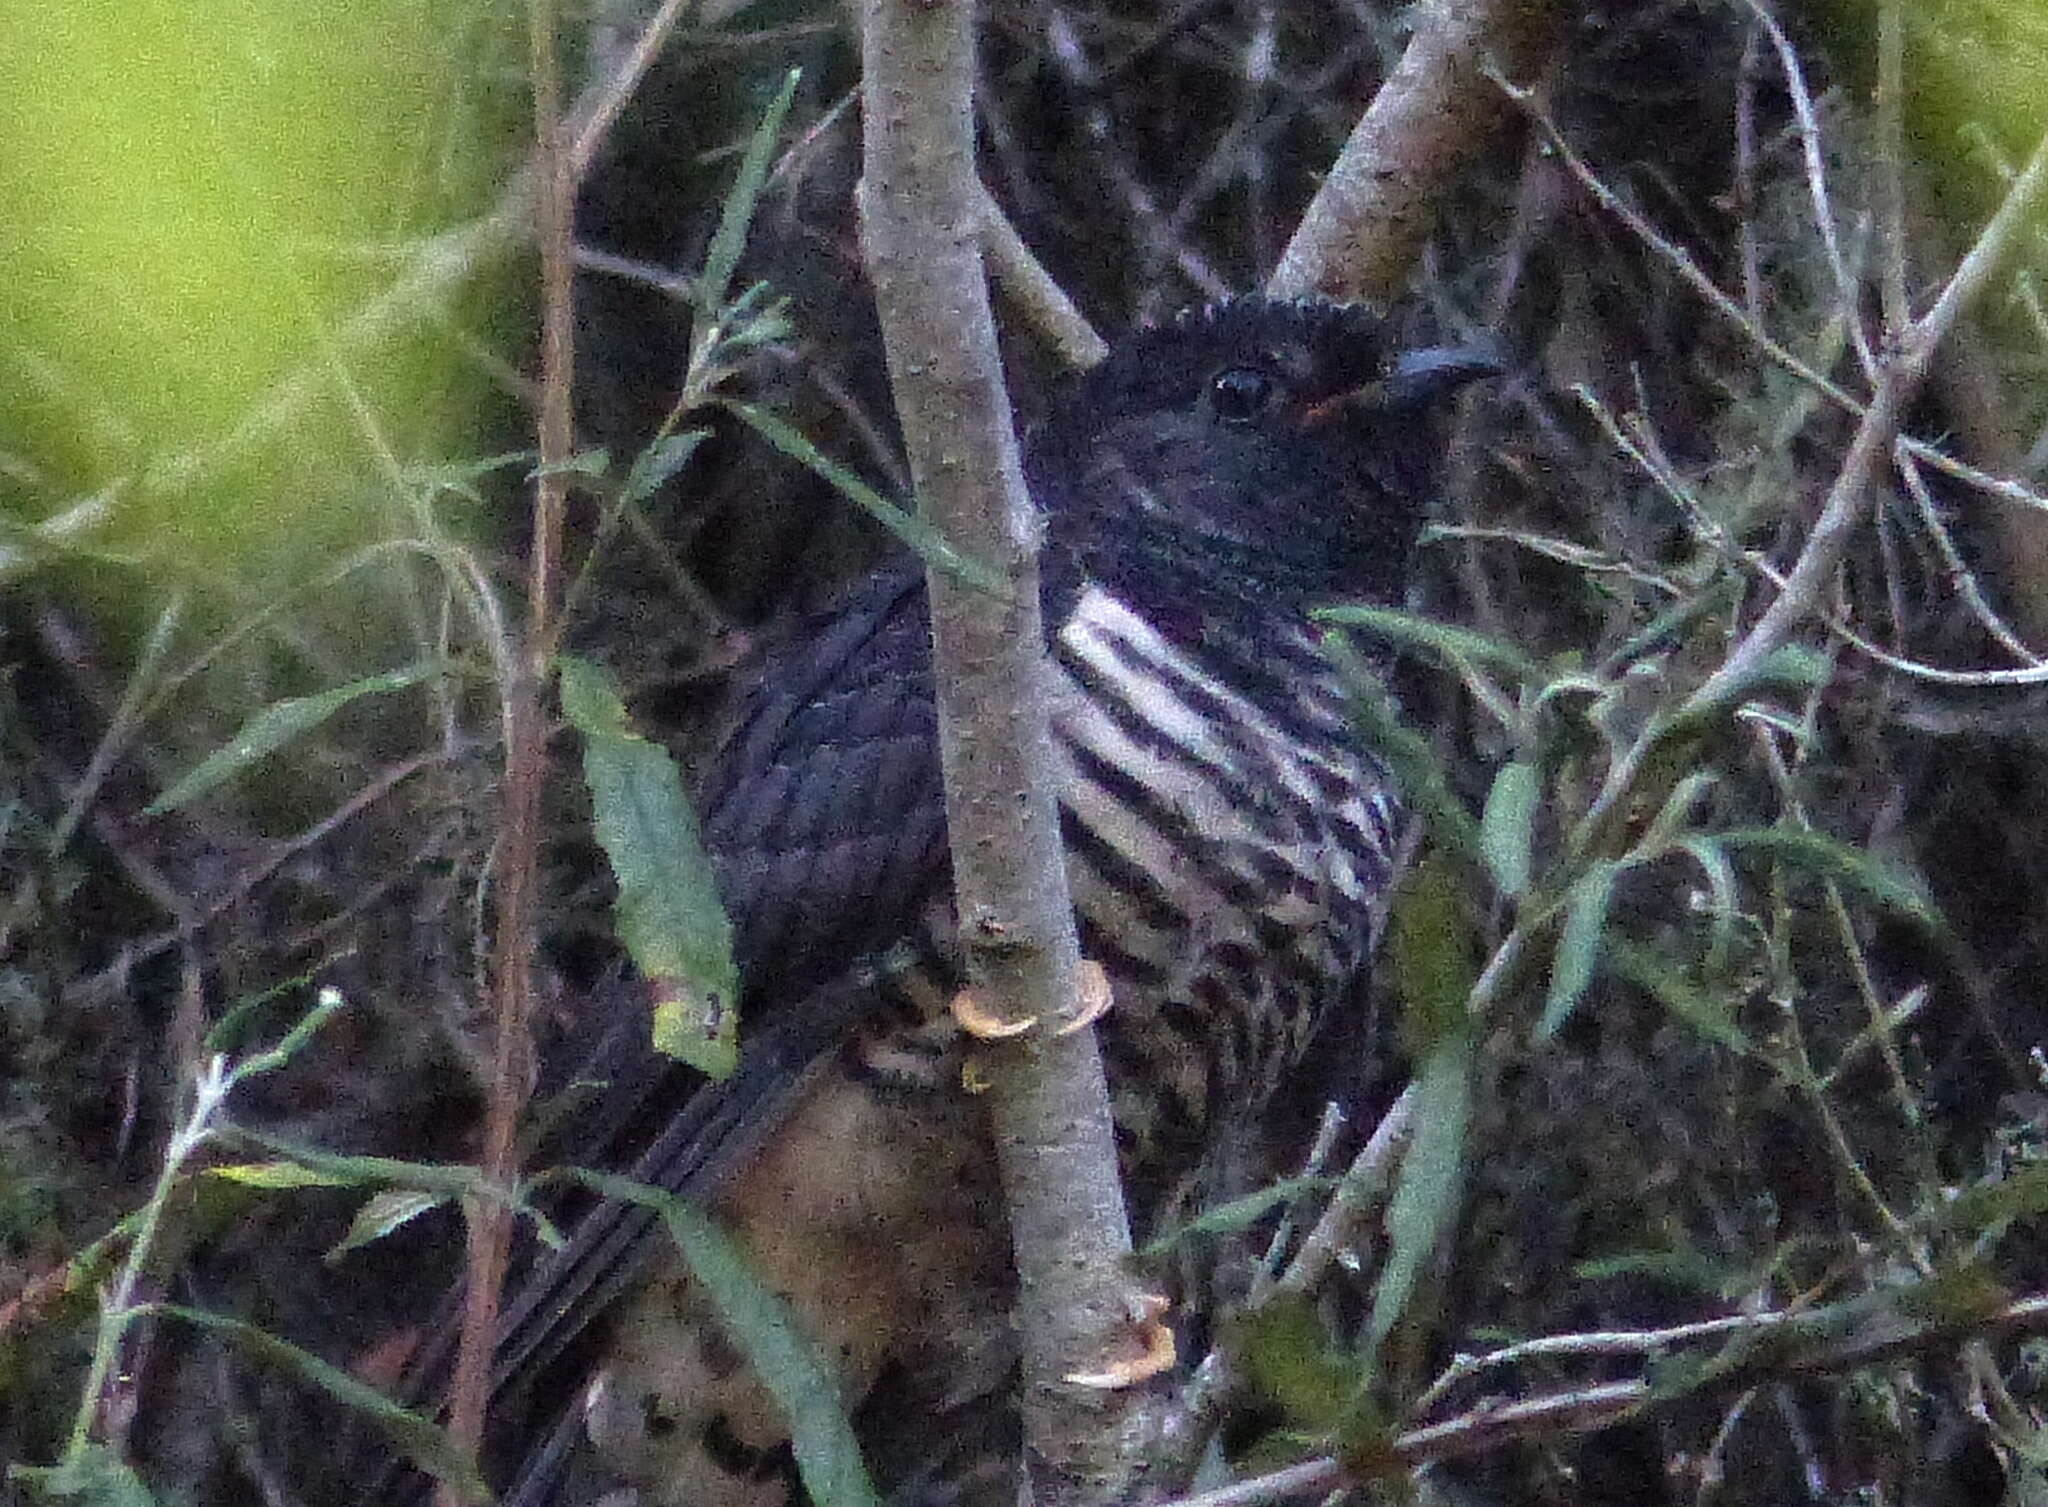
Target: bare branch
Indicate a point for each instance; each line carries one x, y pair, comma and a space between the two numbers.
1033, 291
1847, 1337
1902, 374
921, 225
1364, 231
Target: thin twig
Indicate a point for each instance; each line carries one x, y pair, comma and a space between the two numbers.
1848, 498
1846, 1338
1681, 261
1358, 1198
489, 1221
1847, 285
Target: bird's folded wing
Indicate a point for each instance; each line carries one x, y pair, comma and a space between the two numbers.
824, 816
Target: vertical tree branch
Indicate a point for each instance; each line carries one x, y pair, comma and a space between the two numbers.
921, 221
518, 854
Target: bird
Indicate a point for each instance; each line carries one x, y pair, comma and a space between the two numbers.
1230, 845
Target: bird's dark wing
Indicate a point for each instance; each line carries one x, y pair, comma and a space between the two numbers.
824, 817
824, 813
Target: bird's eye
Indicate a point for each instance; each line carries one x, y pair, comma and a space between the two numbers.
1241, 393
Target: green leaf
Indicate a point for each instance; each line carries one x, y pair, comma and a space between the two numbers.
1286, 1358
326, 1004
450, 1180
1458, 645
767, 1333
92, 1474
1417, 774
423, 1442
1578, 947
1886, 883
1791, 667
1238, 1213
653, 466
929, 543
1669, 826
737, 214
461, 477
1712, 858
1674, 624
279, 723
669, 916
1694, 1006
227, 1032
381, 1214
582, 463
276, 1175
2022, 1194
1507, 826
1432, 955
1425, 1200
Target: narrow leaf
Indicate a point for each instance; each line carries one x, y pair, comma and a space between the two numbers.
1578, 948
1670, 822
332, 1169
326, 1004
1883, 882
1712, 858
91, 1474
279, 723
1452, 643
423, 1442
653, 466
1674, 625
1416, 772
1694, 1006
930, 544
1238, 1213
582, 463
383, 1213
1507, 826
227, 1034
761, 1324
737, 214
2021, 1194
276, 1175
669, 915
1426, 1198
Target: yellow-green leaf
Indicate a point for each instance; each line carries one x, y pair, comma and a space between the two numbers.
669, 915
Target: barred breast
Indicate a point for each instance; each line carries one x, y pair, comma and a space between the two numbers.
1228, 857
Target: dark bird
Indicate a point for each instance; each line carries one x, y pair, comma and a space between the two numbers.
1229, 844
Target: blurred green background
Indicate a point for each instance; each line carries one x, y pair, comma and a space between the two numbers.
198, 201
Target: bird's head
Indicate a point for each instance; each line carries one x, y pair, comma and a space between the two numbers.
1247, 450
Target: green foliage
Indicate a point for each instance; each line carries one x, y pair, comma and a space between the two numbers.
722, 258
1236, 1214
768, 1334
421, 1441
91, 1472
927, 541
93, 1475
1288, 1360
1507, 827
669, 915
277, 725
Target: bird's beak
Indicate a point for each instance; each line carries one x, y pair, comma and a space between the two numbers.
1417, 380
1420, 378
